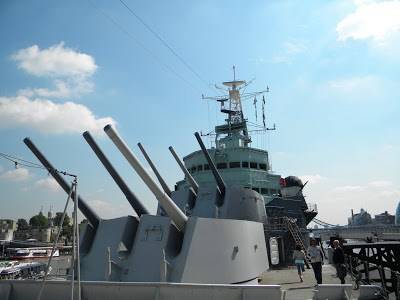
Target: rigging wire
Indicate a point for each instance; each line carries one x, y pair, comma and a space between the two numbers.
13, 158
164, 42
151, 53
29, 164
21, 162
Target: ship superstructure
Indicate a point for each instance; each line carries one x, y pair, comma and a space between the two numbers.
241, 164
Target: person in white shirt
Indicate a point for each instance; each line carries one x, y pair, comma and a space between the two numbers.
317, 257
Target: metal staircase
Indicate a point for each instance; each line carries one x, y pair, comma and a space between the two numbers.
296, 234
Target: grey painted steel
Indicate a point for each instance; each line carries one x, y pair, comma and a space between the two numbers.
239, 204
89, 213
164, 185
333, 292
220, 251
213, 251
133, 200
189, 177
220, 182
27, 289
178, 217
118, 234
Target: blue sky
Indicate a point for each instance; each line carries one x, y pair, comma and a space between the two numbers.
332, 68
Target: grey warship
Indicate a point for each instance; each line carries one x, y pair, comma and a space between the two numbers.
208, 238
288, 213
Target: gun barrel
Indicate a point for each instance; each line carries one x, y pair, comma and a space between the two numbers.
189, 177
173, 211
153, 167
137, 206
88, 212
220, 182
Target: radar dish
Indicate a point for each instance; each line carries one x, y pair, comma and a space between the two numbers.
234, 83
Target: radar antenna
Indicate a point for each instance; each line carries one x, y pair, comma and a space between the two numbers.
231, 105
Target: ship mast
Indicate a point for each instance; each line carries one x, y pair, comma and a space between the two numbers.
231, 105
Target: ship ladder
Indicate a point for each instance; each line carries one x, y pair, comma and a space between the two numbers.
296, 234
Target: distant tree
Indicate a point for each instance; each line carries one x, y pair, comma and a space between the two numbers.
67, 232
22, 224
57, 219
39, 220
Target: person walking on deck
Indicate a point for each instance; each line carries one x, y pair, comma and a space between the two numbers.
299, 258
338, 261
317, 257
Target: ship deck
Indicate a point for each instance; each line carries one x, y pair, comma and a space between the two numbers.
289, 281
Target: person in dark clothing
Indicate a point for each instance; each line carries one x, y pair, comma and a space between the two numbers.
338, 261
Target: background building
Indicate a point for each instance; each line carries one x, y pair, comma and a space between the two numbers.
384, 218
7, 228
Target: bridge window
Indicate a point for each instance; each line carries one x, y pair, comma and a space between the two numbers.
253, 165
193, 169
263, 167
222, 165
200, 168
245, 164
264, 191
256, 189
234, 164
206, 167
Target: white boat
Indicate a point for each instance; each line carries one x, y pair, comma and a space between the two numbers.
8, 264
30, 253
26, 270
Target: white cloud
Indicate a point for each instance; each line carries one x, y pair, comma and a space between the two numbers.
48, 117
381, 183
62, 89
48, 183
390, 194
55, 61
107, 209
351, 84
289, 50
312, 179
349, 188
69, 70
294, 47
19, 174
364, 88
371, 20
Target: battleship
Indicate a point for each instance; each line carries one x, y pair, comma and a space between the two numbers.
288, 214
208, 238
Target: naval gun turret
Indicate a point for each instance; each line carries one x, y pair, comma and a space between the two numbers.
221, 240
196, 249
207, 241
